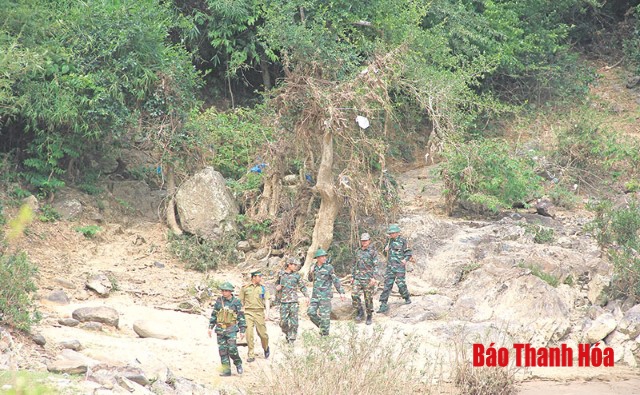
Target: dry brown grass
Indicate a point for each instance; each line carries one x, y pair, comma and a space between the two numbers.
355, 363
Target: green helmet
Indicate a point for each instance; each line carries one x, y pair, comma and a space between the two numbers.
320, 252
393, 228
226, 286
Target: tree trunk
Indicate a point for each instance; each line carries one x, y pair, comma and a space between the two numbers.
270, 199
266, 76
329, 203
171, 206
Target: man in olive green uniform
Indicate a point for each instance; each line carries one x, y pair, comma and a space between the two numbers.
227, 318
323, 276
365, 270
288, 283
398, 254
255, 299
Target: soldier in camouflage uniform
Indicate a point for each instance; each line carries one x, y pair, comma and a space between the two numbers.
289, 281
365, 270
322, 275
398, 254
227, 318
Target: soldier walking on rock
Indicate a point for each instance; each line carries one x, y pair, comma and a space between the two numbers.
288, 284
398, 254
255, 299
227, 318
322, 275
365, 270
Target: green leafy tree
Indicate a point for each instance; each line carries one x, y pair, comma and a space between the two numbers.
96, 78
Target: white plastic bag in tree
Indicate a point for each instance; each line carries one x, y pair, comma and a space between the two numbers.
363, 122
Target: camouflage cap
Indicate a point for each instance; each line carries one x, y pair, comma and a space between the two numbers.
365, 236
226, 286
393, 228
320, 252
292, 261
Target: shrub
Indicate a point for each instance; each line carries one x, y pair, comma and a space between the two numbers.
562, 197
541, 234
617, 231
17, 290
354, 363
252, 229
472, 380
588, 152
632, 44
89, 231
204, 291
48, 214
488, 173
201, 254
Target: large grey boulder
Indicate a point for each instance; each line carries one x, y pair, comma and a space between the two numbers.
156, 330
71, 362
205, 205
101, 314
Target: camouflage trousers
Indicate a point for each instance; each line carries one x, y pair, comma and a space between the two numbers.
389, 278
227, 347
320, 314
362, 287
289, 319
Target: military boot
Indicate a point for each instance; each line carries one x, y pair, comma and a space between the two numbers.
360, 315
383, 308
226, 370
369, 318
407, 300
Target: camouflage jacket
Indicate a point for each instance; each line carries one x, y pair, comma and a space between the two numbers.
227, 313
322, 277
398, 251
290, 282
366, 265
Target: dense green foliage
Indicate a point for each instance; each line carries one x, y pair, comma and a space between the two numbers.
83, 80
80, 76
232, 156
632, 43
17, 290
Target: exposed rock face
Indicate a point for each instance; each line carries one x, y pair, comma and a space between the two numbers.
68, 208
205, 205
630, 323
136, 197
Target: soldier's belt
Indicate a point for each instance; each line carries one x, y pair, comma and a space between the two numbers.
225, 326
